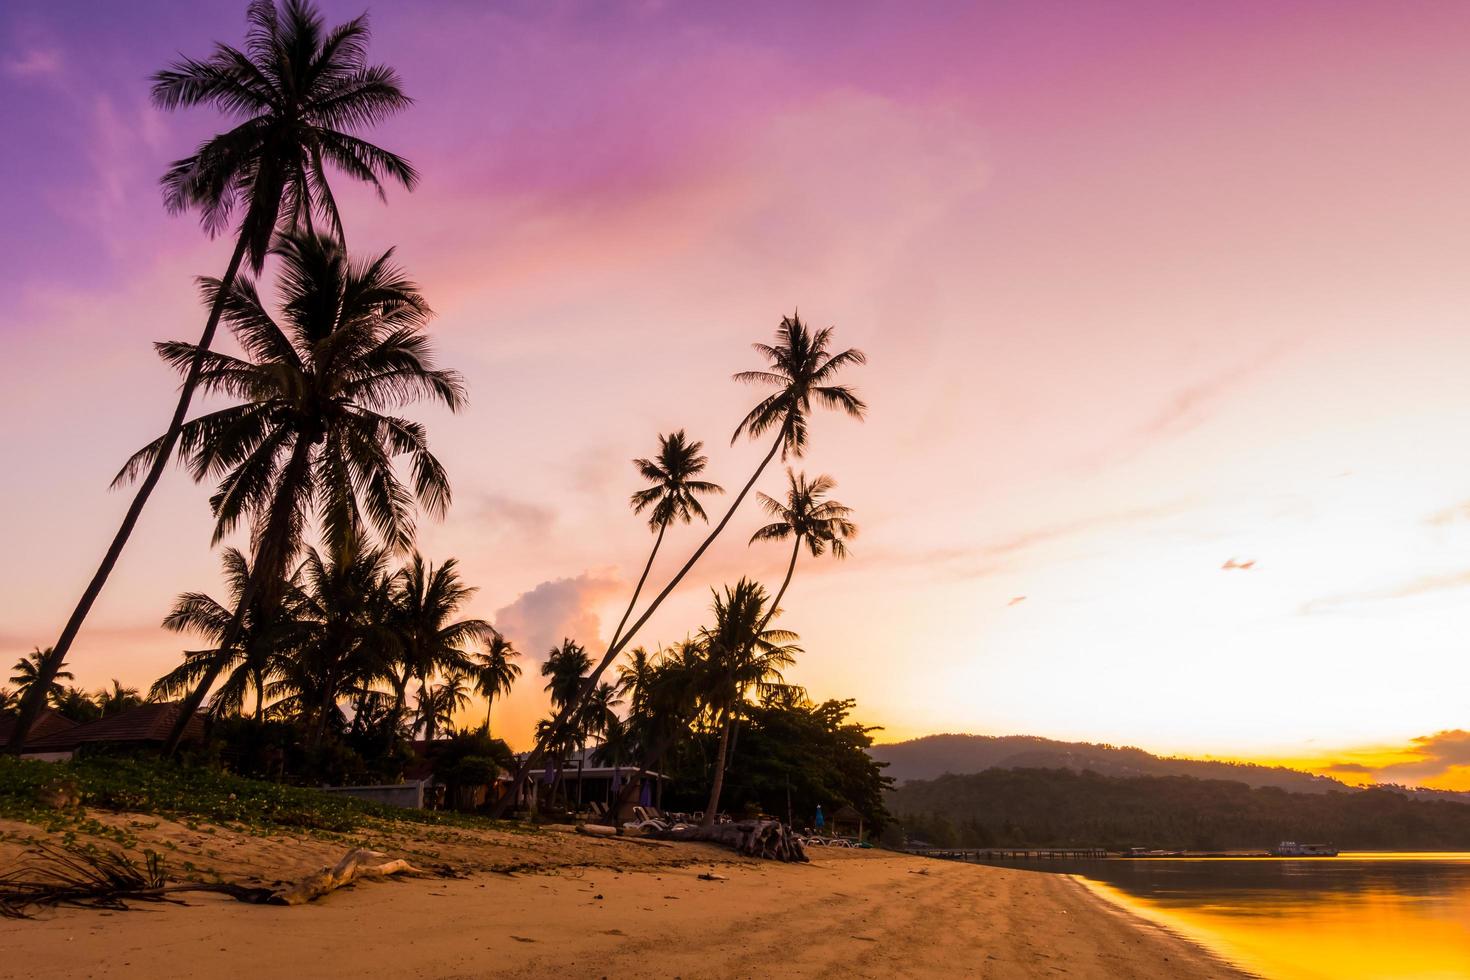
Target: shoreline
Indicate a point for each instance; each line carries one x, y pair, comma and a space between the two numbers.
861, 913
1142, 916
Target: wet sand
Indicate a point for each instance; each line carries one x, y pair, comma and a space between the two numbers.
858, 913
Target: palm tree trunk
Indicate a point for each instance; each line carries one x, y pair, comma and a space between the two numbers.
31, 704
259, 697
616, 647
718, 783
776, 602
488, 703
269, 564
664, 526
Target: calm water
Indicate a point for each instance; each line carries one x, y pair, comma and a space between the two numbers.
1358, 915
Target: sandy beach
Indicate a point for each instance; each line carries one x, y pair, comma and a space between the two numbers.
577, 907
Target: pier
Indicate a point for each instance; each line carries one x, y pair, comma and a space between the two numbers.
1008, 853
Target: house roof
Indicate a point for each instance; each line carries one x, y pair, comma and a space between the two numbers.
149, 722
48, 722
847, 814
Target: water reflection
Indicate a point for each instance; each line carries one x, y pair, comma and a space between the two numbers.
1359, 915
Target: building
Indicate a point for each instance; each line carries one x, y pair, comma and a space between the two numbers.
146, 726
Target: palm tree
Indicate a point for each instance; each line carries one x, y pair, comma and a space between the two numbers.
673, 496
803, 369
118, 699
806, 516
7, 700
76, 704
425, 600
495, 672
295, 93
30, 675
437, 705
741, 653
268, 635
309, 436
344, 605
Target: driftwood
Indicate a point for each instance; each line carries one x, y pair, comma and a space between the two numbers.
769, 839
357, 863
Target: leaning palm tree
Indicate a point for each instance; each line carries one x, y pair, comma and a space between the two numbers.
31, 681
495, 671
269, 634
804, 370
672, 496
295, 94
806, 516
431, 640
309, 435
741, 653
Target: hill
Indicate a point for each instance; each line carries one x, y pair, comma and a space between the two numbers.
1060, 807
936, 755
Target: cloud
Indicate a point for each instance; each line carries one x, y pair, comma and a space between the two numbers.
1424, 585
566, 607
1431, 756
35, 63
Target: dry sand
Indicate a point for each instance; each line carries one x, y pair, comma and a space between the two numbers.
594, 908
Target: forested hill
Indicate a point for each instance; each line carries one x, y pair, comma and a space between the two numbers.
935, 755
1060, 807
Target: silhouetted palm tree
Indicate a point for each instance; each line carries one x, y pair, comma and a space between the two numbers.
309, 436
8, 700
742, 652
118, 699
803, 369
269, 634
425, 600
673, 496
495, 672
438, 704
344, 605
29, 674
295, 93
77, 704
806, 516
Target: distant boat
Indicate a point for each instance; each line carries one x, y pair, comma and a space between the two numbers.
1290, 848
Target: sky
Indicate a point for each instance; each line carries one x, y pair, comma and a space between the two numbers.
1164, 306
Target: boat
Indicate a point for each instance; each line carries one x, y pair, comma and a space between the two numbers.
1290, 848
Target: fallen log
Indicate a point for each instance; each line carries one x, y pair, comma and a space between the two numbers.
357, 863
767, 839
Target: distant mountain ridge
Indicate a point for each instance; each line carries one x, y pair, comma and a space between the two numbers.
933, 756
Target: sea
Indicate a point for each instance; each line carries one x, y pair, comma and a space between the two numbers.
1358, 915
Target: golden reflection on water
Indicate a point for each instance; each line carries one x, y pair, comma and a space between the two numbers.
1357, 916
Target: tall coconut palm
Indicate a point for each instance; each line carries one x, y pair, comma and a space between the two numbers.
806, 516
269, 634
425, 601
295, 93
742, 653
495, 672
31, 680
673, 496
804, 371
309, 436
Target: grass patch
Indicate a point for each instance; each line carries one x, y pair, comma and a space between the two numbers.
29, 791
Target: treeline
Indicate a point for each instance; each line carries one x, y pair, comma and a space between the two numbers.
1059, 807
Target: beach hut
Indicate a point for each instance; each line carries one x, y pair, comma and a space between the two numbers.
847, 822
49, 722
146, 726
